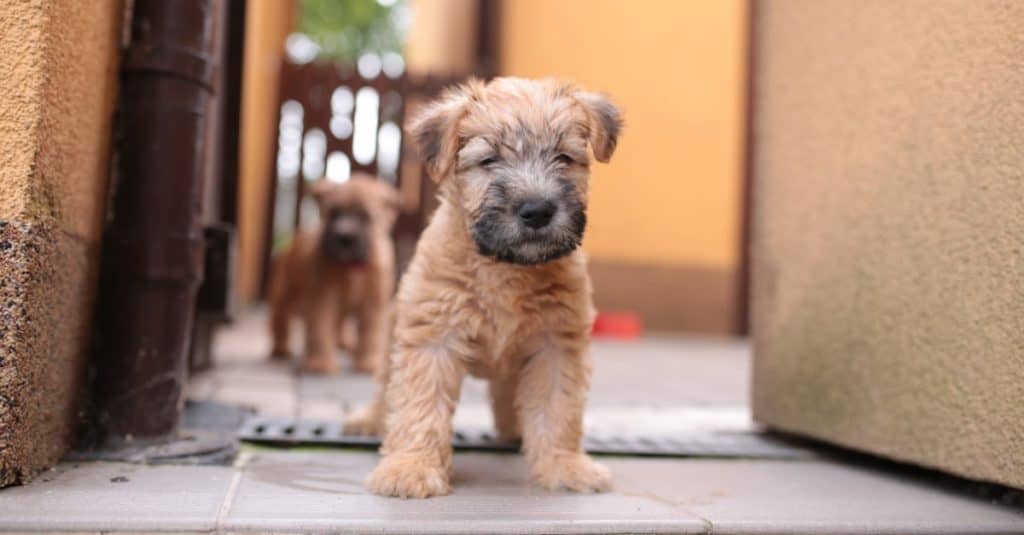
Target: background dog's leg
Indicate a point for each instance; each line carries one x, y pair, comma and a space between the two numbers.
372, 344
348, 338
503, 406
369, 420
282, 306
417, 448
322, 333
552, 393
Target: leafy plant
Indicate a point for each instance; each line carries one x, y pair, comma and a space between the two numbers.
344, 29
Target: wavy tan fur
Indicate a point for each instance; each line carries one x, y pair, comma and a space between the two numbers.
522, 324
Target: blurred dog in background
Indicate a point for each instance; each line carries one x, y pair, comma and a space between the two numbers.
344, 269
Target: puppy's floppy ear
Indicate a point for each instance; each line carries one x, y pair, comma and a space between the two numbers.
604, 122
435, 130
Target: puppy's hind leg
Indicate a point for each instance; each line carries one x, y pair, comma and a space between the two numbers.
369, 420
552, 393
417, 448
372, 355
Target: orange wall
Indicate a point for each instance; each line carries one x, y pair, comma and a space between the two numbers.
268, 23
671, 194
442, 39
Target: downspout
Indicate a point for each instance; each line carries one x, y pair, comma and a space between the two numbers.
152, 258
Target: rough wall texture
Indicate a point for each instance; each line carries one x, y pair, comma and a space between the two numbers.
889, 229
58, 71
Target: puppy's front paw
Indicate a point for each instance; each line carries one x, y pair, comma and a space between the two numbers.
408, 477
367, 422
321, 365
577, 472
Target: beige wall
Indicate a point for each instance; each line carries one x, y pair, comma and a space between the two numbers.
671, 194
441, 42
58, 67
889, 223
442, 39
268, 23
667, 208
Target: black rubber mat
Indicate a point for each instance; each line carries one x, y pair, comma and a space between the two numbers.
753, 445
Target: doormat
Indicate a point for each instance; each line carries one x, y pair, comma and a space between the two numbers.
704, 444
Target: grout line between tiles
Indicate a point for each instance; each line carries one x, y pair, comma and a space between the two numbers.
229, 496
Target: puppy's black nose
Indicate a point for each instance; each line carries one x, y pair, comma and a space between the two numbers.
346, 240
536, 214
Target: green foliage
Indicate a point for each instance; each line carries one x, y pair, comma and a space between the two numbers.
344, 29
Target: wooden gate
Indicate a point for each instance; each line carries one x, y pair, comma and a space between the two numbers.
335, 119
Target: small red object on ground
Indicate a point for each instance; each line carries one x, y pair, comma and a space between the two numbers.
620, 325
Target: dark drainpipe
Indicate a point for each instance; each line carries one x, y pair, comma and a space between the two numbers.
152, 261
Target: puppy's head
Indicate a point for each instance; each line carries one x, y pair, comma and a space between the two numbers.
355, 216
513, 154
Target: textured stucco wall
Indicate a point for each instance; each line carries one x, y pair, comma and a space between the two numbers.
889, 229
58, 68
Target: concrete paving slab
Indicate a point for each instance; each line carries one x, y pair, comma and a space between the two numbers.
664, 371
304, 491
347, 388
269, 401
202, 386
257, 371
325, 493
828, 496
321, 410
247, 339
118, 497
651, 495
656, 370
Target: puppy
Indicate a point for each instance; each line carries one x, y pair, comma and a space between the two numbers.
497, 287
344, 268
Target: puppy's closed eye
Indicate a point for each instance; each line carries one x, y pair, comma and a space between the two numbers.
565, 159
478, 152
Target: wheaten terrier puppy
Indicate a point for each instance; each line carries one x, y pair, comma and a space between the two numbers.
498, 287
344, 268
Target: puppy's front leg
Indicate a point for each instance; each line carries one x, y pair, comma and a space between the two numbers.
282, 301
552, 393
374, 320
423, 389
321, 333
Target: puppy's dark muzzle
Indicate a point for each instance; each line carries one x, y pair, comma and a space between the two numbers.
350, 248
536, 214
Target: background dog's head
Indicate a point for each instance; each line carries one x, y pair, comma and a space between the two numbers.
513, 154
355, 216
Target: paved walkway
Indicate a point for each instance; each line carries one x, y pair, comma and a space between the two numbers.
660, 385
282, 491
